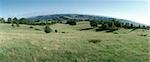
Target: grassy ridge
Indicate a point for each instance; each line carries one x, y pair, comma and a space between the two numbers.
24, 44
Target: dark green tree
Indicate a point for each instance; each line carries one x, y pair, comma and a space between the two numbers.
113, 25
16, 21
23, 21
105, 26
143, 27
131, 26
9, 20
93, 23
139, 26
71, 22
47, 29
126, 25
2, 20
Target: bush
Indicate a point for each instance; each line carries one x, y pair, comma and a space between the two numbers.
93, 24
47, 29
71, 22
105, 26
94, 41
111, 29
99, 29
37, 29
17, 24
115, 33
31, 27
56, 30
62, 32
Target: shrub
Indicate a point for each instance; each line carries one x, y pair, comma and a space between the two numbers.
93, 24
115, 33
56, 30
86, 29
111, 29
17, 24
105, 26
99, 29
37, 29
71, 22
94, 41
47, 29
62, 32
31, 27
143, 35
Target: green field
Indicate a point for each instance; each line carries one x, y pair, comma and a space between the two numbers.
24, 44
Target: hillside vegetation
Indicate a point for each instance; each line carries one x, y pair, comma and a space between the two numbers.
71, 44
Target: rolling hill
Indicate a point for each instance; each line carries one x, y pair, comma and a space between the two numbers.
79, 17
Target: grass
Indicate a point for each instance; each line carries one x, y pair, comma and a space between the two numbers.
24, 44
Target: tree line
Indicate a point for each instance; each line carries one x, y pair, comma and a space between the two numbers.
101, 25
114, 24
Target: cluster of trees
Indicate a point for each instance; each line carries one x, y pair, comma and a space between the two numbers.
13, 21
27, 21
71, 22
2, 20
110, 24
114, 24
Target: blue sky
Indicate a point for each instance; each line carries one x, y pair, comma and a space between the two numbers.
136, 10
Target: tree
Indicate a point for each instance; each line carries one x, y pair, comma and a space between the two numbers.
47, 29
16, 21
131, 26
148, 27
126, 25
17, 24
23, 21
105, 26
71, 22
2, 20
143, 27
9, 20
139, 26
93, 23
113, 25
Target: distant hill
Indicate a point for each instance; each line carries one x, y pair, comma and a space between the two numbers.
79, 17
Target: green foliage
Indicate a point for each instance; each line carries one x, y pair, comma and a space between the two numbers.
9, 20
126, 25
2, 20
105, 26
47, 29
94, 41
17, 24
16, 21
131, 26
23, 21
31, 27
93, 23
56, 30
71, 22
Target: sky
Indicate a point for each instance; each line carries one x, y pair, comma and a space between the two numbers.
135, 10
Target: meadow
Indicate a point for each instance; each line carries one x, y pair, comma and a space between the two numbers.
69, 44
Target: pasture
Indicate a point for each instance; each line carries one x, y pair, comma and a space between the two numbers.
24, 44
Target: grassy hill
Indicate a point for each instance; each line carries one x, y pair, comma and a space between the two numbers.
24, 44
77, 17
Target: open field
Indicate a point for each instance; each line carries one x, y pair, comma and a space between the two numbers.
24, 44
